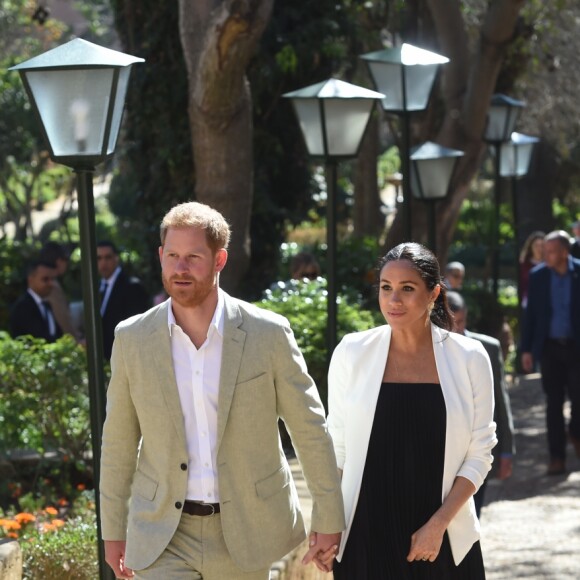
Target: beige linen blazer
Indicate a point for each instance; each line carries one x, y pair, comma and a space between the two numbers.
354, 380
144, 456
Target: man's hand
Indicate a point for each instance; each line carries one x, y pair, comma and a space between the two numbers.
323, 550
505, 468
115, 557
527, 362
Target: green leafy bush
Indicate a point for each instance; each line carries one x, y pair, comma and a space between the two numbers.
44, 407
304, 304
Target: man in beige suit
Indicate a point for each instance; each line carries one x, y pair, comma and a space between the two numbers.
194, 482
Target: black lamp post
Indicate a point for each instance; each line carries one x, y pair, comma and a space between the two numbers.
501, 120
333, 116
77, 91
514, 162
432, 167
405, 75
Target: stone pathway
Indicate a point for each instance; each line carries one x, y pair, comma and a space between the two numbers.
530, 522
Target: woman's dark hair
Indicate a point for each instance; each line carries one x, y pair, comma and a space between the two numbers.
426, 264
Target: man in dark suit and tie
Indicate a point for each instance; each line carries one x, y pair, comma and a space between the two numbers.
122, 296
551, 335
31, 313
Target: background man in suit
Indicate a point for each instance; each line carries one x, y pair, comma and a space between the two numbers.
31, 313
504, 451
194, 481
575, 249
122, 296
55, 253
551, 335
454, 275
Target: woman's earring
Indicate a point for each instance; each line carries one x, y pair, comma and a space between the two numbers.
430, 307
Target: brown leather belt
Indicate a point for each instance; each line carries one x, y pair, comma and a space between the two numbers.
196, 508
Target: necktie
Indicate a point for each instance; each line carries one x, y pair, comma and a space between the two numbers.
103, 292
47, 312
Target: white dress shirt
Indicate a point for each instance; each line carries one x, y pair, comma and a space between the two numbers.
197, 373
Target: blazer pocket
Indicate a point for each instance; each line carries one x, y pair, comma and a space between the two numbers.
274, 483
258, 380
144, 486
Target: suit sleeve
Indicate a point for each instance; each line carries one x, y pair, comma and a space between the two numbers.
478, 458
503, 412
301, 409
121, 437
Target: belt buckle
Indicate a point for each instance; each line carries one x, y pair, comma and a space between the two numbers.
209, 505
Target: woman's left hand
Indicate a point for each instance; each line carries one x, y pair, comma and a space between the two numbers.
426, 542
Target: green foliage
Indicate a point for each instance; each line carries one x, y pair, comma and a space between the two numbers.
65, 554
44, 403
27, 178
304, 304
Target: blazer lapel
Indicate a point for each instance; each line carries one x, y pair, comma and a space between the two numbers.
233, 348
159, 346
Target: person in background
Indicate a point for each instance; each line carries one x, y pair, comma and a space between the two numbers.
121, 295
411, 418
304, 265
454, 275
575, 248
194, 481
531, 255
504, 451
55, 253
551, 336
31, 313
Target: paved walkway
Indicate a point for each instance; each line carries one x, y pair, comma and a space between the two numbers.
530, 522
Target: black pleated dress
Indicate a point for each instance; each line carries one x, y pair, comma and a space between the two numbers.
400, 491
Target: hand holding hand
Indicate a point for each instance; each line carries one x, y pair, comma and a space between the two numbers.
323, 550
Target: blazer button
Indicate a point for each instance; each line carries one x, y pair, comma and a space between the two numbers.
183, 466
178, 505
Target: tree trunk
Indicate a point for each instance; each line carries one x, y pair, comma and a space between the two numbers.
367, 217
467, 88
218, 39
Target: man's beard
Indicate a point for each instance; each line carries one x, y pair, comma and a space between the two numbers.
189, 296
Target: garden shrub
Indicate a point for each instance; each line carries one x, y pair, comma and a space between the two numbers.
44, 407
303, 303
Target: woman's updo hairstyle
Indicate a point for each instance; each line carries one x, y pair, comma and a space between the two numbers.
426, 264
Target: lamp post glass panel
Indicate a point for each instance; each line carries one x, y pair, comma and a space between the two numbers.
502, 117
77, 92
405, 75
333, 116
514, 162
432, 167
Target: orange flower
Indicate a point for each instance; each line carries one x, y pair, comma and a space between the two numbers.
10, 525
58, 523
12, 535
24, 518
47, 527
62, 502
51, 511
81, 487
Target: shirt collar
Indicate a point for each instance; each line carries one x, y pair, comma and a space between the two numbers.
113, 277
35, 296
217, 321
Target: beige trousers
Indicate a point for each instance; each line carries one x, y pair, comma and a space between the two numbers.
198, 552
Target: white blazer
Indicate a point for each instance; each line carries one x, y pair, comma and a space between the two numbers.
354, 380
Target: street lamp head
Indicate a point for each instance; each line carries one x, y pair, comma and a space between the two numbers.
333, 116
432, 167
78, 90
516, 154
502, 118
405, 74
